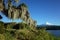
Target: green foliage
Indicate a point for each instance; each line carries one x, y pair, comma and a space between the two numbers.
24, 5
24, 33
2, 37
8, 26
8, 36
1, 27
17, 1
21, 25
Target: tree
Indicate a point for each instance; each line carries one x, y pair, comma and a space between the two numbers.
1, 27
1, 5
17, 1
13, 12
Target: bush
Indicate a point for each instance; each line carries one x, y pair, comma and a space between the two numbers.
2, 37
2, 28
8, 36
24, 33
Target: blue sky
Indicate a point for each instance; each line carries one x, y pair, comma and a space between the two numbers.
42, 11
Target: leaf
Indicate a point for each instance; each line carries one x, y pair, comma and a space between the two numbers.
17, 1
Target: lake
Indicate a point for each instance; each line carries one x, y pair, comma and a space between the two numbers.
54, 32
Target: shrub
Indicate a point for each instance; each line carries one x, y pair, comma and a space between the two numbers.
1, 27
8, 36
2, 37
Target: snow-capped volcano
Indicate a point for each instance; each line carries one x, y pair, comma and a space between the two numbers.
47, 23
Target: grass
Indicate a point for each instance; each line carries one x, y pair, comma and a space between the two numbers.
26, 33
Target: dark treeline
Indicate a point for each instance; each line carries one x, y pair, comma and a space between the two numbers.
49, 27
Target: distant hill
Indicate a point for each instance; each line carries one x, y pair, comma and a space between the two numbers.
49, 27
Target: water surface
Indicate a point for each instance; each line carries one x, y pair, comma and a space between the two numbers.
54, 32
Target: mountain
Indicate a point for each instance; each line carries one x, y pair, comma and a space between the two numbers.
49, 26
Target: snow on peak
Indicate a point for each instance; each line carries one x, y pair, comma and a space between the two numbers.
47, 23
